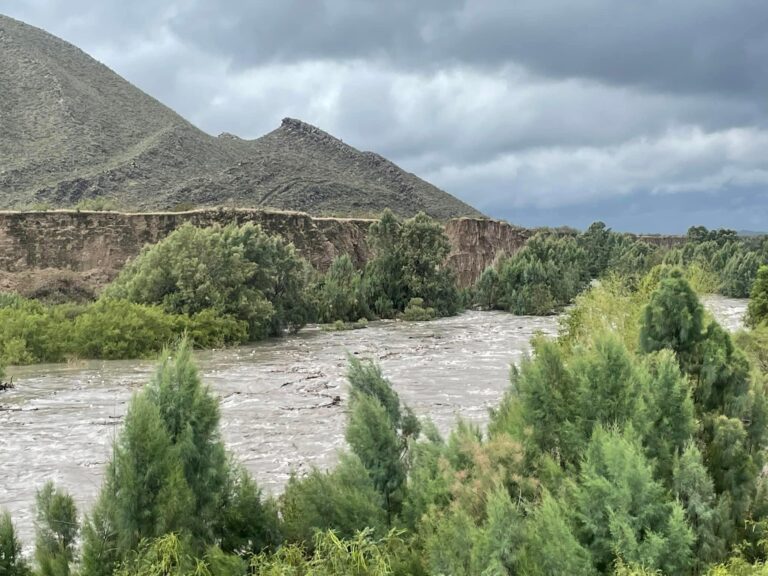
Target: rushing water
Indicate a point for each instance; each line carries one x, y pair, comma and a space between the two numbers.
277, 398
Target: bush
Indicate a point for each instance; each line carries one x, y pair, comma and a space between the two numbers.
757, 310
344, 500
541, 277
237, 271
415, 311
339, 295
12, 562
409, 262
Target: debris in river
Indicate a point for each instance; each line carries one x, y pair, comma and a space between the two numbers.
335, 401
7, 385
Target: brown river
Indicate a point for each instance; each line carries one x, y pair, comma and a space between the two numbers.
279, 412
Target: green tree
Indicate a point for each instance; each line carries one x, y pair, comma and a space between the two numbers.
598, 244
340, 295
547, 273
550, 544
624, 513
343, 500
674, 319
757, 310
739, 273
12, 562
486, 289
170, 473
424, 250
671, 411
380, 432
409, 261
56, 529
384, 281
695, 491
238, 271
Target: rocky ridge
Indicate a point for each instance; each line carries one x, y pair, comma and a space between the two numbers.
74, 130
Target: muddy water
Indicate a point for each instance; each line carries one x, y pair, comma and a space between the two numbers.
729, 312
277, 399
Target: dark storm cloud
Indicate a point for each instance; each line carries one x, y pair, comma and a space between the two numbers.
685, 45
646, 114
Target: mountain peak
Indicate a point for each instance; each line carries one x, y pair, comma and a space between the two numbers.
73, 130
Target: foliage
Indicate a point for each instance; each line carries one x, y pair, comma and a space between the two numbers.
416, 312
409, 262
543, 276
757, 310
56, 531
340, 296
486, 289
380, 432
623, 512
12, 562
720, 254
237, 271
170, 473
344, 500
109, 329
673, 318
362, 555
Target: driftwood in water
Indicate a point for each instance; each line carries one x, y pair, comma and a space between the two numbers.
6, 385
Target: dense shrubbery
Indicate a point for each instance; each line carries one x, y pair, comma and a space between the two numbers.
548, 272
553, 267
632, 444
108, 329
240, 272
228, 285
732, 260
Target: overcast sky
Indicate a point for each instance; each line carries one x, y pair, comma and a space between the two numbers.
651, 115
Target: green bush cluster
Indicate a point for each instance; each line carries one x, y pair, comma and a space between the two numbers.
553, 267
226, 285
236, 271
632, 444
107, 329
407, 277
732, 260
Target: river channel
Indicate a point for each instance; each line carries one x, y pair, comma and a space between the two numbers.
279, 405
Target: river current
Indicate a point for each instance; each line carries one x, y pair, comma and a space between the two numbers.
283, 401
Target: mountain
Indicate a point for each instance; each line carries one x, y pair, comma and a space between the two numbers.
73, 130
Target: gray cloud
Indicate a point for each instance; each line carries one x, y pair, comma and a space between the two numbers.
530, 110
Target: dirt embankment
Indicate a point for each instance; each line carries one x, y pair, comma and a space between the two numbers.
78, 252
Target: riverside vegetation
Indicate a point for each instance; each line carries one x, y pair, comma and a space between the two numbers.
230, 285
632, 444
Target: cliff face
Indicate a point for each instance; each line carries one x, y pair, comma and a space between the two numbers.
95, 245
476, 243
80, 252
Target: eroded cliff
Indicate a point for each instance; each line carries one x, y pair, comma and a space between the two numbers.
80, 252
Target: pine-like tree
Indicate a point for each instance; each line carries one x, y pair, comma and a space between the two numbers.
170, 473
56, 530
674, 319
380, 432
12, 562
757, 310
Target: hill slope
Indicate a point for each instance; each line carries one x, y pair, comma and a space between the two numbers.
72, 129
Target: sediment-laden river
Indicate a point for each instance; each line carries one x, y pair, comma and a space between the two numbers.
278, 398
